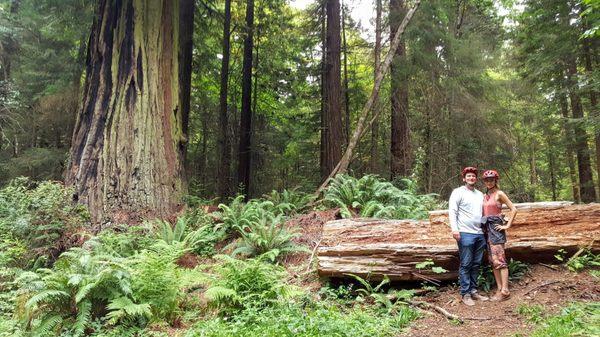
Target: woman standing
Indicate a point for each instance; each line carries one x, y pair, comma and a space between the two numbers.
494, 227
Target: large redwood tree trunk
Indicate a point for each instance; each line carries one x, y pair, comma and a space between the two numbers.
331, 133
129, 141
400, 138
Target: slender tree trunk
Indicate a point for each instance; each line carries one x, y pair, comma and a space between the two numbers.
323, 142
568, 135
400, 133
224, 170
246, 113
374, 160
586, 182
594, 113
186, 47
551, 167
258, 120
129, 139
333, 114
362, 124
346, 91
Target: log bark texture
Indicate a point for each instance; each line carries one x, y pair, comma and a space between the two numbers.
373, 248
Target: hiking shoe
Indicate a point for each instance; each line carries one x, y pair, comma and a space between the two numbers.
467, 300
478, 297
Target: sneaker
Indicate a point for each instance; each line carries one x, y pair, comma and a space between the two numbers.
467, 300
478, 297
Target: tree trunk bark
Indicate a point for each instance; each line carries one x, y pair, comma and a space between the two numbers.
224, 170
245, 147
374, 158
332, 128
568, 136
362, 125
374, 248
129, 139
586, 182
594, 113
400, 133
346, 90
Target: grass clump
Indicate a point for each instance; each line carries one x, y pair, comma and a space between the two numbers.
578, 319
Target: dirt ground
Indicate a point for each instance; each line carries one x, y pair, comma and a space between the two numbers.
552, 289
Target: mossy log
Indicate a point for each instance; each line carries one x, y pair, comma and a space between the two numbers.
373, 248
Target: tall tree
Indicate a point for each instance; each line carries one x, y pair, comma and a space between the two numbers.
129, 139
223, 170
584, 166
332, 131
374, 157
400, 133
245, 147
346, 90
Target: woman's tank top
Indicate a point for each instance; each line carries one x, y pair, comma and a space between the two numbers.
490, 206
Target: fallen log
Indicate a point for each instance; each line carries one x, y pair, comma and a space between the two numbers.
372, 248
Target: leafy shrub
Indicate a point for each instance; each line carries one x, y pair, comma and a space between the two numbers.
41, 217
586, 259
371, 196
516, 271
123, 240
578, 319
268, 237
155, 280
244, 284
68, 297
312, 319
533, 313
289, 202
201, 240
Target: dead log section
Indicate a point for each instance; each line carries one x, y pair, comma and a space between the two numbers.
373, 248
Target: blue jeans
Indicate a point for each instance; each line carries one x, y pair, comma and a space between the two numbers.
470, 252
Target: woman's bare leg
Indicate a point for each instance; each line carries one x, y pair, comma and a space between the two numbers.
504, 279
499, 284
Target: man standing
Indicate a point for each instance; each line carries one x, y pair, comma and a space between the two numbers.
465, 211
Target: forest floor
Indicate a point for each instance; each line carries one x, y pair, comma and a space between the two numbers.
543, 287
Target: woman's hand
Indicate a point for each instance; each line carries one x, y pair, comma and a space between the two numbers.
502, 227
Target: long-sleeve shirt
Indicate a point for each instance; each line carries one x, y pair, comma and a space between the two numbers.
465, 210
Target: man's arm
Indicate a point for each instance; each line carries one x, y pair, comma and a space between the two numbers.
453, 213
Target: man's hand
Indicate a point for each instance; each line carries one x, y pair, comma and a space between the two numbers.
456, 236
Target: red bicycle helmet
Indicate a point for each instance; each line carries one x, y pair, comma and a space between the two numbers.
469, 169
490, 174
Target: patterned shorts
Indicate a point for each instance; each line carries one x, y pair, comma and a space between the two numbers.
496, 256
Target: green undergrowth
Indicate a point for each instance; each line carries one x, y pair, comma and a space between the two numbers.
577, 319
217, 274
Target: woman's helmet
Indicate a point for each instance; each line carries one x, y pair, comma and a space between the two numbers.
490, 174
469, 169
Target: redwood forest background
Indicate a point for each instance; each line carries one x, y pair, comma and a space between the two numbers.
510, 85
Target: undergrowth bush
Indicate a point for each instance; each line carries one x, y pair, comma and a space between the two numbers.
244, 284
40, 218
267, 237
578, 319
371, 196
516, 271
308, 320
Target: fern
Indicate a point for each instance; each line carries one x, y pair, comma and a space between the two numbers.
268, 237
370, 196
124, 309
